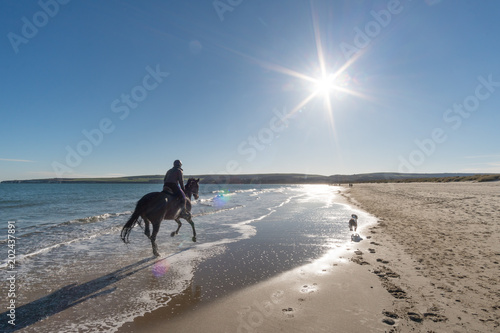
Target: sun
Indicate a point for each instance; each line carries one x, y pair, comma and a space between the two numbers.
323, 85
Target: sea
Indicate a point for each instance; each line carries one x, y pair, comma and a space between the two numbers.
66, 269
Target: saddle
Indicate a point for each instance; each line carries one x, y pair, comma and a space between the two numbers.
168, 191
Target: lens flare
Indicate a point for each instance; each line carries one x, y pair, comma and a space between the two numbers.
222, 198
160, 268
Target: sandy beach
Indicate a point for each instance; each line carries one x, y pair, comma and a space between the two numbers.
431, 264
441, 242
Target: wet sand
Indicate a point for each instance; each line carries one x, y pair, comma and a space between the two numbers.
330, 294
431, 264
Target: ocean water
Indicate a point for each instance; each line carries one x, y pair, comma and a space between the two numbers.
74, 274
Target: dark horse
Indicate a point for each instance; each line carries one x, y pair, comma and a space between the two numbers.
155, 207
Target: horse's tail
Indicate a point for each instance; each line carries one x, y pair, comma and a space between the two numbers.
132, 221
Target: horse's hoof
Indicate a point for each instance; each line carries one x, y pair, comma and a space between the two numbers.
172, 234
194, 239
156, 254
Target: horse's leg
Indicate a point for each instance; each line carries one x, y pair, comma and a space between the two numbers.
176, 232
156, 228
194, 231
147, 232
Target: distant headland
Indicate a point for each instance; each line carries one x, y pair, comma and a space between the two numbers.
280, 178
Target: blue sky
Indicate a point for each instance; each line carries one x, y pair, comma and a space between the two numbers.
117, 88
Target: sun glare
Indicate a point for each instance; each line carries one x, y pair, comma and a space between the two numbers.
323, 85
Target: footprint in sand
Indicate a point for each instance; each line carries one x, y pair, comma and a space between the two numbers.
288, 312
416, 317
307, 289
359, 260
388, 321
394, 290
278, 294
385, 272
435, 317
390, 314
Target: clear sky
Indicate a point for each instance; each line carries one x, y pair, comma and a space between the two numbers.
121, 87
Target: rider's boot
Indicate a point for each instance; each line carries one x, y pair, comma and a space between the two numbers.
184, 212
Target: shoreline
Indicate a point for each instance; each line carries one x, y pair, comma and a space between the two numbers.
425, 266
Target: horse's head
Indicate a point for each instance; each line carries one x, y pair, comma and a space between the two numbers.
193, 187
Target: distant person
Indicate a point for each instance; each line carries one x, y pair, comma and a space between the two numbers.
174, 182
353, 222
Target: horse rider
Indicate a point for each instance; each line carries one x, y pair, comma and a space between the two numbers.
174, 182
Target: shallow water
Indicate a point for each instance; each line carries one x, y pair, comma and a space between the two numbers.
74, 274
